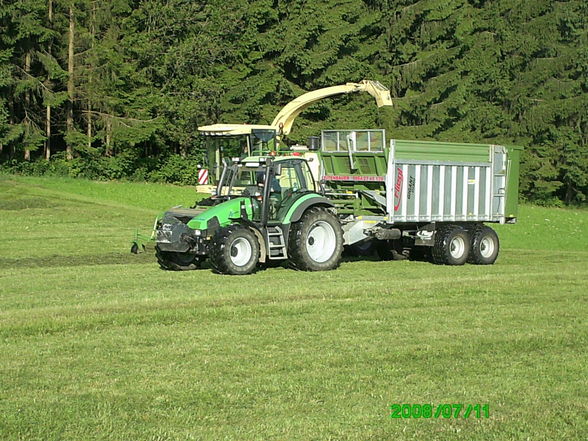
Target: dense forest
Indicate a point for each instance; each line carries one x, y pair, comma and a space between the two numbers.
115, 89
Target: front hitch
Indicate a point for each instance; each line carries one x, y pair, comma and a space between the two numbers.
140, 241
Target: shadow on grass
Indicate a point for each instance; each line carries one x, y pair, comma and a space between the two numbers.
27, 203
57, 261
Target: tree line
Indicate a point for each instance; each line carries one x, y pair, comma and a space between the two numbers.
116, 88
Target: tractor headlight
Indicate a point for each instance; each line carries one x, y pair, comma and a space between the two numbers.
197, 232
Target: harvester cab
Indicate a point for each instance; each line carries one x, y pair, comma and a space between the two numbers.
222, 145
265, 209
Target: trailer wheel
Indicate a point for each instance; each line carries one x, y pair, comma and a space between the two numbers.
316, 241
173, 261
452, 246
234, 250
485, 246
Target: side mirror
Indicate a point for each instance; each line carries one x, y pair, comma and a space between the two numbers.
243, 211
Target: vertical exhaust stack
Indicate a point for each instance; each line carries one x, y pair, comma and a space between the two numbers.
313, 143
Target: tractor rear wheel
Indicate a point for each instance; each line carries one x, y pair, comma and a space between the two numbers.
234, 250
316, 241
485, 246
452, 246
173, 261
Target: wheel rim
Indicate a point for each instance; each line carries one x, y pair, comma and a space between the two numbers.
457, 247
487, 247
241, 251
321, 241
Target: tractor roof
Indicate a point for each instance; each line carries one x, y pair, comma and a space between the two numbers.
262, 159
232, 129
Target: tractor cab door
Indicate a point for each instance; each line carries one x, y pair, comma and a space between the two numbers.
292, 180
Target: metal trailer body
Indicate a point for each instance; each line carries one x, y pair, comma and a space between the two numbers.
419, 190
412, 184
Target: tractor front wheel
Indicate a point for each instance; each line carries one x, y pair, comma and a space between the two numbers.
316, 241
234, 250
172, 261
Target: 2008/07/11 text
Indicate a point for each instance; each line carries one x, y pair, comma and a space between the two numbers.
440, 411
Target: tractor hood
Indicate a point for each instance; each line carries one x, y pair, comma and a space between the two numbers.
223, 213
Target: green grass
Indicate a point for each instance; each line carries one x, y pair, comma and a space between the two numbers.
99, 344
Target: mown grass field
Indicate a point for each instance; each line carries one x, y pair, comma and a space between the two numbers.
99, 344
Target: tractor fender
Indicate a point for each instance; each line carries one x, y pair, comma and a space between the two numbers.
262, 247
258, 234
306, 204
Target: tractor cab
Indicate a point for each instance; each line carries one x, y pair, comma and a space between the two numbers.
273, 185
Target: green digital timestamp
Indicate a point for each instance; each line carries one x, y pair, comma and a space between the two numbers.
440, 411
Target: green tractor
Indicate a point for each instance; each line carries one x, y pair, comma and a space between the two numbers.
265, 210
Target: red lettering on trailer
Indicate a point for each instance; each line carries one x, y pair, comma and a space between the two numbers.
354, 178
398, 188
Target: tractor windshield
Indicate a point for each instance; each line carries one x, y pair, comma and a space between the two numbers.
221, 148
241, 180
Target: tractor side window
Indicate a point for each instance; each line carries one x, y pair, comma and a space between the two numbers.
294, 179
306, 175
291, 179
225, 185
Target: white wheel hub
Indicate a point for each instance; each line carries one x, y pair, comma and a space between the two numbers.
487, 247
241, 251
457, 247
321, 242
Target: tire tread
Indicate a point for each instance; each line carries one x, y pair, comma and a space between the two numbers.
440, 252
475, 257
297, 258
217, 254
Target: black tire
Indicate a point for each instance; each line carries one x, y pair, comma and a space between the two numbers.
452, 246
234, 250
172, 261
485, 246
315, 242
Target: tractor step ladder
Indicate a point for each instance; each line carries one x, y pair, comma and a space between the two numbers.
275, 243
